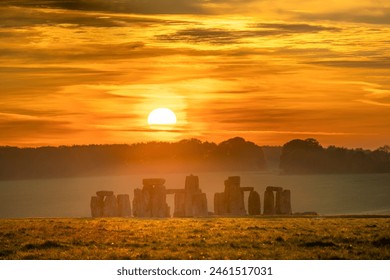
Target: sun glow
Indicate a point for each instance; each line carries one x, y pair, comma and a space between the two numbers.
162, 116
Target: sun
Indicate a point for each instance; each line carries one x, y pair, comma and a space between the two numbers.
162, 116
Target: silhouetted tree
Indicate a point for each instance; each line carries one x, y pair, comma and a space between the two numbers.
189, 154
308, 156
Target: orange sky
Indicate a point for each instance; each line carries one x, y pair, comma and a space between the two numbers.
82, 72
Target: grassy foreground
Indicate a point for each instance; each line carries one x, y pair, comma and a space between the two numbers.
211, 238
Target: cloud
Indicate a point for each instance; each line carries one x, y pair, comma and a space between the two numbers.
296, 27
228, 36
31, 128
383, 63
118, 6
371, 15
20, 17
371, 102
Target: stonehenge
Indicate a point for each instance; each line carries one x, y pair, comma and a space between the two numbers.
279, 204
231, 201
150, 201
190, 201
254, 204
106, 204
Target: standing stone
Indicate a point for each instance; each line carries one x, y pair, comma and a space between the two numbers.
192, 184
278, 202
234, 196
100, 203
269, 203
158, 202
199, 202
139, 204
285, 207
110, 208
220, 207
235, 180
254, 204
179, 205
124, 208
191, 188
151, 200
96, 210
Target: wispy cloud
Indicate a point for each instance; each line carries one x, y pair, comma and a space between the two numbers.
91, 71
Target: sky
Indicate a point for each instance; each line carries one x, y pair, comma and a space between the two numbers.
90, 71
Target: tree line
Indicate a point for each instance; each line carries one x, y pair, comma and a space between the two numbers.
308, 156
189, 155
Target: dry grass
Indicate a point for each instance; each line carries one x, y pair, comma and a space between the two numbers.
211, 238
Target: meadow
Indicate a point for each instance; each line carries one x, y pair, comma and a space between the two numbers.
311, 237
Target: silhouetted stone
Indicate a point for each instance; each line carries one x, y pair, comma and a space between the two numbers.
199, 203
278, 202
151, 200
285, 205
195, 202
110, 208
124, 208
141, 203
100, 205
153, 181
104, 193
269, 202
247, 189
174, 191
276, 189
158, 203
179, 204
192, 184
235, 180
96, 210
219, 204
254, 204
234, 197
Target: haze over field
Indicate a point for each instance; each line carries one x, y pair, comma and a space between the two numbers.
82, 72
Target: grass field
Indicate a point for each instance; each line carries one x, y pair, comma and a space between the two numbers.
209, 238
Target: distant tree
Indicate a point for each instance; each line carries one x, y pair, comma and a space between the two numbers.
188, 154
308, 156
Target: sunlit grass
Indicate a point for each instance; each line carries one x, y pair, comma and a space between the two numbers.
211, 238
